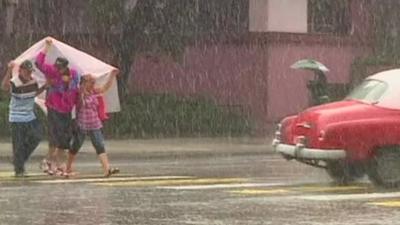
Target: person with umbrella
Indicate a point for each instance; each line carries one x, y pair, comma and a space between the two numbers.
319, 86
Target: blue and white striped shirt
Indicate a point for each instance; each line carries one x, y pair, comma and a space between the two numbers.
22, 102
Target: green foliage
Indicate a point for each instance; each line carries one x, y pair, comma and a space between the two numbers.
160, 26
147, 116
361, 67
106, 13
4, 125
386, 55
165, 26
387, 33
338, 91
168, 116
327, 16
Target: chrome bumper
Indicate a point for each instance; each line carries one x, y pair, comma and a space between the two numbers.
299, 151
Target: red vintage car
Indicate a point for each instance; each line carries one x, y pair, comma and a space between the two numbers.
356, 136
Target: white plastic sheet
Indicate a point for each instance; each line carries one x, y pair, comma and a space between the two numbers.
81, 61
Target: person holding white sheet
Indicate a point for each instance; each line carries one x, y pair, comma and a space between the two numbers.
61, 99
89, 122
26, 130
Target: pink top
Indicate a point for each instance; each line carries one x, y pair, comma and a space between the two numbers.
59, 97
88, 114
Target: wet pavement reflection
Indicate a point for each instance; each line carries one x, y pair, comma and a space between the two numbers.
194, 191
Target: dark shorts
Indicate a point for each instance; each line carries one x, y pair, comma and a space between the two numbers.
60, 129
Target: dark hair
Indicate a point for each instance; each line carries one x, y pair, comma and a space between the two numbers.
61, 63
85, 78
27, 65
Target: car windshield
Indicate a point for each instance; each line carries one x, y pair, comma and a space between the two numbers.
370, 91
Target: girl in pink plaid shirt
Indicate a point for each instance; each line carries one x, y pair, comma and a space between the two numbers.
89, 122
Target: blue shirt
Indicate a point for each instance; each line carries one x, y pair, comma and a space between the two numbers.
23, 102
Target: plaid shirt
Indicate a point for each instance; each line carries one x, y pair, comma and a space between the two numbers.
88, 114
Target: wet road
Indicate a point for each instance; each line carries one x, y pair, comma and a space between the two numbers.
245, 189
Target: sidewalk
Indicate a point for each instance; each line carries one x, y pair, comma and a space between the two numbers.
169, 147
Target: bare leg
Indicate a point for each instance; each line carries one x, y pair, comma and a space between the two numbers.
54, 160
58, 159
108, 171
62, 157
52, 154
70, 162
51, 151
46, 162
104, 163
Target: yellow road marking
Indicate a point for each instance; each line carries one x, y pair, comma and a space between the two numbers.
394, 203
174, 182
109, 179
293, 189
330, 188
8, 174
42, 177
260, 191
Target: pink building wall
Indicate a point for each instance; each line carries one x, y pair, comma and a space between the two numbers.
230, 75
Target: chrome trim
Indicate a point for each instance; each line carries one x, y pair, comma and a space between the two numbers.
304, 125
301, 140
278, 135
301, 152
275, 143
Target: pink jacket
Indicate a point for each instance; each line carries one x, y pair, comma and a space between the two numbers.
59, 97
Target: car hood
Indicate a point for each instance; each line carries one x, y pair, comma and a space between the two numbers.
342, 111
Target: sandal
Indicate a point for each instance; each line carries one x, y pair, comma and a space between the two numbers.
70, 174
45, 165
60, 171
112, 171
51, 171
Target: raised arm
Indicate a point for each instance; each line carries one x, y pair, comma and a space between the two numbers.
109, 82
42, 88
5, 83
46, 69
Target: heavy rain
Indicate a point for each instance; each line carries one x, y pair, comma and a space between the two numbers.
205, 112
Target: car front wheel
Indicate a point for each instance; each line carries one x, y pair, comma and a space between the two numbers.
384, 168
344, 173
